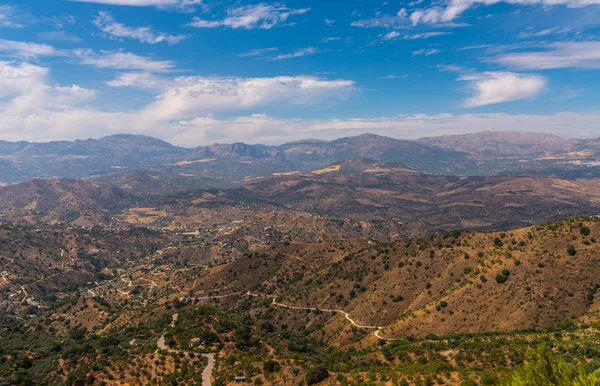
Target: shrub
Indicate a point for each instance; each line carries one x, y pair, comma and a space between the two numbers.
271, 366
316, 375
571, 250
585, 231
503, 276
543, 368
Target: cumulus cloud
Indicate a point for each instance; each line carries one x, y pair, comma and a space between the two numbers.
206, 95
259, 16
180, 4
20, 78
184, 112
585, 54
25, 50
72, 95
25, 95
106, 23
452, 9
499, 87
30, 108
141, 80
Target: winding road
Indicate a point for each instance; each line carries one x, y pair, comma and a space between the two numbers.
346, 315
210, 366
207, 373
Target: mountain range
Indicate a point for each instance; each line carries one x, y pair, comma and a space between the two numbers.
469, 154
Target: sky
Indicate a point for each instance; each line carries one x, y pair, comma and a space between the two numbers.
196, 72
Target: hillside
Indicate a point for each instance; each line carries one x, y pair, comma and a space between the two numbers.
525, 279
55, 201
454, 308
144, 183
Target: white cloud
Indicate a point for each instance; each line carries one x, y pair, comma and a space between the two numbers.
532, 33
298, 53
426, 52
329, 22
72, 95
59, 36
141, 80
425, 35
452, 9
181, 4
10, 18
121, 61
555, 55
30, 109
260, 128
258, 52
259, 16
25, 96
109, 26
393, 77
499, 87
391, 35
20, 78
25, 50
384, 21
331, 39
206, 95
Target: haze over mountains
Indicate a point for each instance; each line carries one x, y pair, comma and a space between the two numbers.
469, 154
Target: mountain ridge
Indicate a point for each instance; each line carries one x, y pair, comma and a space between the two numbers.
480, 153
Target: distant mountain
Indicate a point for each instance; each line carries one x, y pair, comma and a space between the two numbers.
470, 154
381, 149
502, 143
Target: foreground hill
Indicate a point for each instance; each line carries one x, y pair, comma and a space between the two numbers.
85, 306
525, 279
470, 154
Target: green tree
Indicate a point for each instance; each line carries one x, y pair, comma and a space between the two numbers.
316, 375
544, 368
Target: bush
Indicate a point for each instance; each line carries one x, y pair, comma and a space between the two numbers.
316, 375
585, 231
271, 366
544, 368
571, 250
503, 276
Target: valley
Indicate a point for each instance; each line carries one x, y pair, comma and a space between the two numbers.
346, 272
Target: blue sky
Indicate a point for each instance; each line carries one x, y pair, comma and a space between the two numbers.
195, 72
